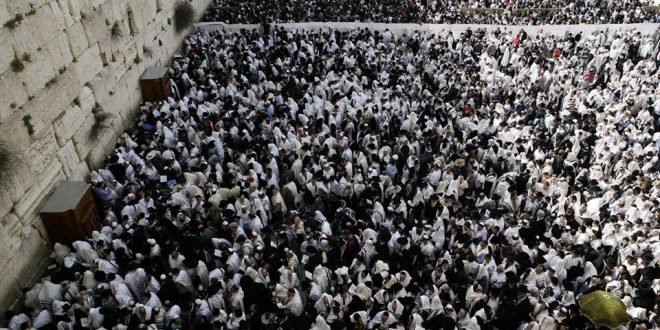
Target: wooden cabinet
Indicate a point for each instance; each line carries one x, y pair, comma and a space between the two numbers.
69, 214
155, 83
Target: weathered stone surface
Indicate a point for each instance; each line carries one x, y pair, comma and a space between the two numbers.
95, 26
46, 23
74, 8
81, 138
82, 172
10, 94
59, 52
11, 225
67, 124
23, 40
87, 100
33, 198
28, 201
6, 51
51, 101
89, 64
59, 15
5, 203
13, 131
18, 182
101, 83
17, 6
7, 221
37, 72
42, 152
69, 19
30, 255
69, 159
77, 39
4, 13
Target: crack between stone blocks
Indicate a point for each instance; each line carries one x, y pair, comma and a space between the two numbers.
44, 240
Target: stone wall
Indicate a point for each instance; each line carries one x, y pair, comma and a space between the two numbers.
72, 65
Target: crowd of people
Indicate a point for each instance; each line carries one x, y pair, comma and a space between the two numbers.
368, 180
503, 12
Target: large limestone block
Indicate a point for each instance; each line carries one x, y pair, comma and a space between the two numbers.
69, 159
11, 225
6, 50
31, 255
102, 83
31, 201
67, 124
37, 72
59, 16
87, 100
14, 132
46, 23
81, 139
135, 17
89, 64
6, 222
147, 10
10, 94
95, 26
17, 7
67, 15
5, 203
19, 179
30, 198
42, 151
59, 52
23, 40
52, 101
4, 12
74, 8
77, 39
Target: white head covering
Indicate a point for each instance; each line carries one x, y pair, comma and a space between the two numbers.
320, 324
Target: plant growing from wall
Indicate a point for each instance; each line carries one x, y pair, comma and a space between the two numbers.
116, 30
28, 124
101, 121
184, 16
147, 51
17, 65
137, 60
26, 58
14, 22
51, 82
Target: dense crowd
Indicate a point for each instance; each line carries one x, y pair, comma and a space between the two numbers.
367, 180
504, 12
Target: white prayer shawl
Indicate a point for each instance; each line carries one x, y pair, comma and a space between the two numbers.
324, 304
320, 324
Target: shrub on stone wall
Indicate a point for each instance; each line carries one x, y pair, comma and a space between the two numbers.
184, 16
116, 30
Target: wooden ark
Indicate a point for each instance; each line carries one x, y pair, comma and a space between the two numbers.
155, 84
69, 214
